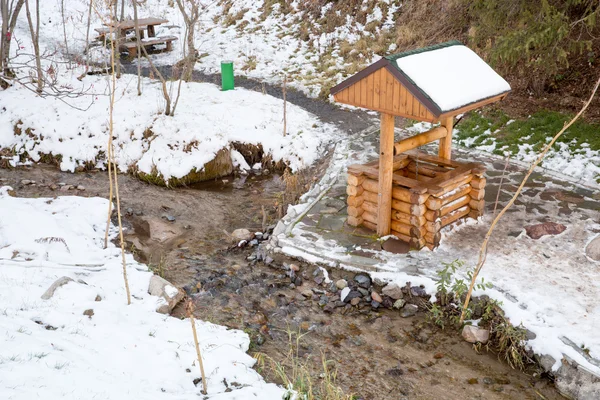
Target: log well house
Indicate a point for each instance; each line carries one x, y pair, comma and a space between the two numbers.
407, 193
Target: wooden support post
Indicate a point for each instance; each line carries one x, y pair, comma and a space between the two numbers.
446, 142
419, 140
386, 172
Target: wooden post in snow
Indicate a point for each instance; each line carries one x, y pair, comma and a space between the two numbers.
386, 171
446, 142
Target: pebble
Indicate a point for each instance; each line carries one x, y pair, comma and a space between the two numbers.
65, 188
61, 184
376, 297
27, 182
53, 187
375, 304
352, 294
268, 260
294, 267
364, 281
80, 187
409, 310
418, 291
298, 281
393, 290
341, 284
169, 218
363, 292
307, 293
89, 312
98, 298
488, 381
355, 301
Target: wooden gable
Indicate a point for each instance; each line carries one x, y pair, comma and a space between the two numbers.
381, 91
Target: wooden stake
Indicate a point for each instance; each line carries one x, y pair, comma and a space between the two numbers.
386, 160
483, 249
189, 306
446, 142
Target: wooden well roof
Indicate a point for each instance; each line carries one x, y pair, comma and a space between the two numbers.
426, 84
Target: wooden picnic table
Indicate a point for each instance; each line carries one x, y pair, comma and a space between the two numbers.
128, 25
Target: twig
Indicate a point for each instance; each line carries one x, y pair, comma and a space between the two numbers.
264, 220
483, 249
500, 186
189, 306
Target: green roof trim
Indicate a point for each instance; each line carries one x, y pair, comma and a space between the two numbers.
394, 57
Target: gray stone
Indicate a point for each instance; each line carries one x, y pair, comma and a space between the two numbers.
80, 187
393, 290
169, 218
363, 292
242, 234
409, 310
65, 188
592, 250
27, 182
475, 334
170, 294
353, 294
58, 283
375, 304
340, 284
418, 291
355, 301
576, 382
363, 280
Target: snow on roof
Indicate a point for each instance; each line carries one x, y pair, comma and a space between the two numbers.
450, 74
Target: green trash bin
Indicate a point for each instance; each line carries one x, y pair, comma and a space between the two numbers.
227, 82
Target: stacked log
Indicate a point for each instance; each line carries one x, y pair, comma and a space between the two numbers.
419, 212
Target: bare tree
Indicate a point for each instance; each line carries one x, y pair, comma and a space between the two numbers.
139, 44
35, 38
190, 9
9, 11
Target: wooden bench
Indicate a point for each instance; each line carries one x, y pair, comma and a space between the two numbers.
131, 47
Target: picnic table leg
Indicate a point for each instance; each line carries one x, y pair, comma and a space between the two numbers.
151, 31
169, 45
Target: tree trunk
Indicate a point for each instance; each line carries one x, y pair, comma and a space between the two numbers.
35, 36
9, 21
139, 50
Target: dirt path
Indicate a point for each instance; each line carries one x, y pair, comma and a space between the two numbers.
378, 354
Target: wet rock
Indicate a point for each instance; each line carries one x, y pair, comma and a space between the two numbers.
341, 284
375, 304
169, 293
298, 281
546, 228
398, 304
409, 310
393, 290
129, 212
58, 283
376, 297
363, 292
418, 291
355, 301
475, 334
89, 312
592, 250
242, 234
363, 280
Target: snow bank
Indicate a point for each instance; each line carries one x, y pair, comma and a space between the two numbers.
206, 120
49, 348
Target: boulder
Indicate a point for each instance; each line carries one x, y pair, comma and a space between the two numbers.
592, 250
475, 334
393, 290
169, 294
242, 234
543, 229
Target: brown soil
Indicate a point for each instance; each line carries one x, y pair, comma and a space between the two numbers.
378, 354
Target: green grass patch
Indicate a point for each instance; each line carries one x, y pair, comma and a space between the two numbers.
536, 130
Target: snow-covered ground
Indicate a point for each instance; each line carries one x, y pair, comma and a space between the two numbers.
547, 285
49, 349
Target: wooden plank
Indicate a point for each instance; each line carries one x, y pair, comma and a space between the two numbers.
383, 90
389, 92
415, 107
435, 203
433, 159
343, 96
478, 183
402, 206
354, 180
455, 215
400, 161
386, 172
370, 90
351, 98
373, 173
445, 150
355, 211
419, 140
426, 169
434, 186
477, 194
364, 90
396, 100
402, 106
376, 88
355, 201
